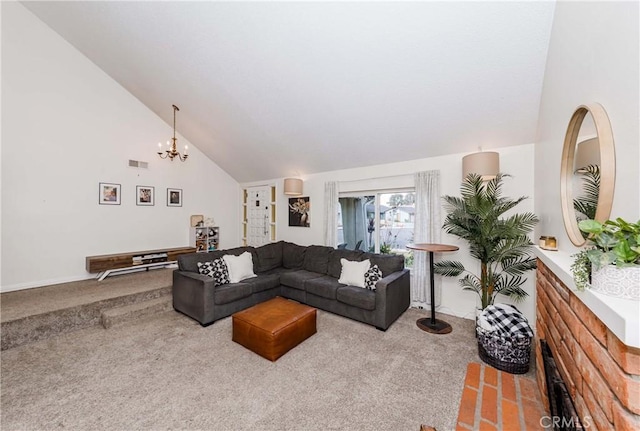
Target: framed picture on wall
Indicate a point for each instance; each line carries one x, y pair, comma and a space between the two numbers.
109, 194
299, 211
145, 196
174, 197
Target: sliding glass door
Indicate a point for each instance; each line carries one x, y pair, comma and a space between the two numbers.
380, 222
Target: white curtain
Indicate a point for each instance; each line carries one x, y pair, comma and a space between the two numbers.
427, 230
330, 213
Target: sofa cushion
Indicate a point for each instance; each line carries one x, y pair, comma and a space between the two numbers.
240, 267
316, 259
325, 286
296, 279
268, 257
189, 261
357, 297
231, 292
263, 282
388, 263
335, 267
293, 255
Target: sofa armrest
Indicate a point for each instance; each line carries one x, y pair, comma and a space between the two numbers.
393, 297
193, 295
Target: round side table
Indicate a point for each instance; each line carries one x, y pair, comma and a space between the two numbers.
431, 324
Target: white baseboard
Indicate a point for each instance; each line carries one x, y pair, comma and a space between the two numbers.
40, 283
445, 310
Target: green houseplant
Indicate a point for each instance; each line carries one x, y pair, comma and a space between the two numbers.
614, 242
585, 205
499, 241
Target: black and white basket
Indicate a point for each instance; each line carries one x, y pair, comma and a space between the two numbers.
504, 353
507, 346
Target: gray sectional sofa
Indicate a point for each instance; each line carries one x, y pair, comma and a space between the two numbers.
307, 274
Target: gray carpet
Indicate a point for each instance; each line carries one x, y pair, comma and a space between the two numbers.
46, 299
44, 312
167, 372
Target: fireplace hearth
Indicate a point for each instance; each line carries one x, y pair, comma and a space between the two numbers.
563, 413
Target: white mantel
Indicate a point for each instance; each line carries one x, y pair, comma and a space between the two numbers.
621, 316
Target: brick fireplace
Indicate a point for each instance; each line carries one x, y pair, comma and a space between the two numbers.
602, 374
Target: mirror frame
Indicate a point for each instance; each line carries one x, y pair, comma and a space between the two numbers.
607, 168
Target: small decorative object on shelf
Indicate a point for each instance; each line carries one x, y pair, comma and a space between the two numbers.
548, 243
205, 238
149, 258
196, 220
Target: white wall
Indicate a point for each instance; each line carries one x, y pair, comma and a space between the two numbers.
66, 126
593, 57
516, 160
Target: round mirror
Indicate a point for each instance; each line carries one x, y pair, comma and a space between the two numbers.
587, 175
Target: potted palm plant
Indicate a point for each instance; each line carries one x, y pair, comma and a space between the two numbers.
500, 242
613, 259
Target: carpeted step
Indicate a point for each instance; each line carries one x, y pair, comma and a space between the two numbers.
126, 313
41, 326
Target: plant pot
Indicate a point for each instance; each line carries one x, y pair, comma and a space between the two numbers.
618, 282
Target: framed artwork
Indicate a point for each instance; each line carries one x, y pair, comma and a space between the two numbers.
174, 197
299, 211
109, 194
196, 220
145, 196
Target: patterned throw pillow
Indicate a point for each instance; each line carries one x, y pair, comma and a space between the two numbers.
220, 272
371, 277
205, 268
216, 270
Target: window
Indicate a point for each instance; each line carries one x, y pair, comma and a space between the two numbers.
380, 222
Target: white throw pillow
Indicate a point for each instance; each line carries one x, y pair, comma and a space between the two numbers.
240, 267
353, 272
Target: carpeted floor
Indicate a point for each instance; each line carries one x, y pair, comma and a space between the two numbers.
167, 372
28, 302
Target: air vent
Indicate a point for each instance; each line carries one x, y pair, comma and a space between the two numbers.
138, 164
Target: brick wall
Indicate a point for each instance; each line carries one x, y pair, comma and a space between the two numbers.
601, 373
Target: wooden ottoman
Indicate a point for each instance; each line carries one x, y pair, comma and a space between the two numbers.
274, 327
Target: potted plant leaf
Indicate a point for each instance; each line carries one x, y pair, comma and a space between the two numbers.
612, 261
500, 242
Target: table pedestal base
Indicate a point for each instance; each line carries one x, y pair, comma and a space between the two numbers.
438, 327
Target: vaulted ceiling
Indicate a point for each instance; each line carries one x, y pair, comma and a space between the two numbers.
274, 89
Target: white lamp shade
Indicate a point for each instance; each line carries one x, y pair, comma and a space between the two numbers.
292, 186
587, 153
485, 163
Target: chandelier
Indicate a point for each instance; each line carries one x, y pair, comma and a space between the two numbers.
172, 151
